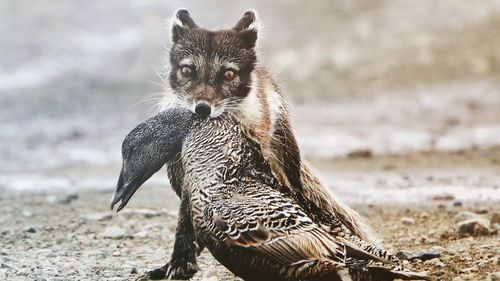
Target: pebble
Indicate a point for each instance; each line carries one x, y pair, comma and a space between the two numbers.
435, 262
31, 230
465, 278
443, 197
475, 227
114, 232
481, 210
465, 216
469, 270
407, 220
421, 254
22, 272
43, 253
98, 216
496, 226
141, 234
431, 241
62, 199
494, 276
147, 213
68, 269
360, 153
27, 213
6, 258
495, 218
424, 215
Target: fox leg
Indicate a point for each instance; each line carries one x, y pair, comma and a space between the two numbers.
182, 264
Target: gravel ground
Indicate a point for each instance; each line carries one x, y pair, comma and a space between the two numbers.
74, 236
405, 99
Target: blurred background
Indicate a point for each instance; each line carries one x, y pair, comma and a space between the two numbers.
378, 87
396, 103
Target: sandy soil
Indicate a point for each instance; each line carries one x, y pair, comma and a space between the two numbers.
74, 236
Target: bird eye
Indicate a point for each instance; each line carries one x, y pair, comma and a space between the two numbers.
229, 75
186, 71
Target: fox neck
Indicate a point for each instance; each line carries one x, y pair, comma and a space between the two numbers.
261, 112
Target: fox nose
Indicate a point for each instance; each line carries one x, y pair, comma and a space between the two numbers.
203, 109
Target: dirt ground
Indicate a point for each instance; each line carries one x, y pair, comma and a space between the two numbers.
396, 102
74, 236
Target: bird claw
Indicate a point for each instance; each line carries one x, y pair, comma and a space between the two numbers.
180, 271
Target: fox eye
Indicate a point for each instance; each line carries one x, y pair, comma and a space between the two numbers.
229, 75
186, 71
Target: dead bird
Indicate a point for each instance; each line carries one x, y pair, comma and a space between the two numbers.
217, 71
254, 226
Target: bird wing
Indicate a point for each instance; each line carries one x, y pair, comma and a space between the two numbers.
273, 225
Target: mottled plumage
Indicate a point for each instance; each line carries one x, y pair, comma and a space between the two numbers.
199, 60
255, 227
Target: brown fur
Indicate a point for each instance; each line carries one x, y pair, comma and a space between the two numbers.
255, 99
290, 166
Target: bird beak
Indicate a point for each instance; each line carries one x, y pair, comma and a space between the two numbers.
124, 191
147, 148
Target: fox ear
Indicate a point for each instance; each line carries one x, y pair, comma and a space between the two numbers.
181, 23
247, 29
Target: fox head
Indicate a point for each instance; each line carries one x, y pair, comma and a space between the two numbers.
211, 70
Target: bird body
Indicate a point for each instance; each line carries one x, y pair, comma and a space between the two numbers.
251, 224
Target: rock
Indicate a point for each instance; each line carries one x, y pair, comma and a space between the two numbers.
51, 255
424, 215
465, 278
27, 213
98, 216
147, 213
494, 260
481, 210
6, 258
475, 227
141, 234
22, 272
360, 153
3, 274
431, 241
43, 253
494, 276
407, 220
423, 254
31, 230
114, 232
62, 199
465, 216
133, 271
443, 197
469, 269
435, 262
9, 265
495, 218
68, 269
496, 226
